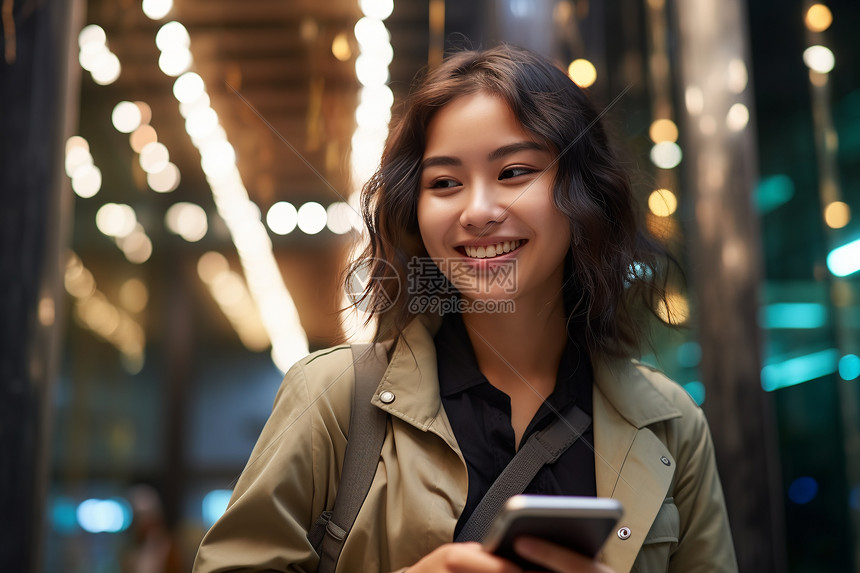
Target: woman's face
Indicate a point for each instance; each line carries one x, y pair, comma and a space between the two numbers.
485, 208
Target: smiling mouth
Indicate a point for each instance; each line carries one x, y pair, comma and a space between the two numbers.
491, 251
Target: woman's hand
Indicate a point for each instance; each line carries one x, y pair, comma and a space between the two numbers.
556, 558
462, 558
471, 558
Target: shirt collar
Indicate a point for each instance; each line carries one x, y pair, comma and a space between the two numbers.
458, 368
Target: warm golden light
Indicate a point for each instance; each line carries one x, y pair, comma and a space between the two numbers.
145, 112
134, 295
210, 265
738, 117
46, 311
116, 220
141, 137
188, 220
675, 309
582, 72
738, 76
662, 202
340, 47
837, 215
663, 130
818, 18
164, 181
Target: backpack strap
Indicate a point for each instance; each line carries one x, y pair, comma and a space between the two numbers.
542, 448
367, 425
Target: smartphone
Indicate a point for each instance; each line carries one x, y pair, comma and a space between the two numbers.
580, 524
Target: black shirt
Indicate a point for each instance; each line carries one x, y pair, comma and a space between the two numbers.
480, 415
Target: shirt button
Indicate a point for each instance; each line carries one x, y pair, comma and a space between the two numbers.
665, 461
387, 397
624, 533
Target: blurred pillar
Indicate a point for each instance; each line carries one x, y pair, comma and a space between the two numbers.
38, 104
720, 166
843, 293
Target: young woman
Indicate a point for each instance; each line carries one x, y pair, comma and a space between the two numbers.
499, 174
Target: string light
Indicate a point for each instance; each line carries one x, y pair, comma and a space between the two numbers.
271, 300
94, 311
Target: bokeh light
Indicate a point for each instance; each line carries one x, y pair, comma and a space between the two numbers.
141, 137
819, 59
663, 130
164, 181
818, 18
379, 9
340, 47
157, 9
582, 72
188, 220
312, 218
662, 202
837, 215
282, 218
666, 154
126, 117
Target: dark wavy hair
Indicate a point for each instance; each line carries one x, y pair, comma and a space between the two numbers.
615, 268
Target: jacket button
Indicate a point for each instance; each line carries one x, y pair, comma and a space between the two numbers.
386, 397
624, 533
665, 461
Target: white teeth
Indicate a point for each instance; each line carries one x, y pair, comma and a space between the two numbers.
491, 251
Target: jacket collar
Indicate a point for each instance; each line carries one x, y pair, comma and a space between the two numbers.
412, 378
628, 389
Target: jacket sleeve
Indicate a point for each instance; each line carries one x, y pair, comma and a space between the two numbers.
289, 480
705, 541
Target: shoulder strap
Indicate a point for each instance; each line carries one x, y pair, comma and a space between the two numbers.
366, 433
542, 448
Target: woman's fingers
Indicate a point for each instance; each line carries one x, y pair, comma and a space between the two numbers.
463, 558
557, 558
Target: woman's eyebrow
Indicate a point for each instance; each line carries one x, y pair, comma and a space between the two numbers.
503, 151
440, 160
515, 147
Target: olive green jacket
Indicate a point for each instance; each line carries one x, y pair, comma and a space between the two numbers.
653, 452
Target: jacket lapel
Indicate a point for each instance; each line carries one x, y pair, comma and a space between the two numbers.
412, 381
631, 464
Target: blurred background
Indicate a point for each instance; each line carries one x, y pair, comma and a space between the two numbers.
177, 181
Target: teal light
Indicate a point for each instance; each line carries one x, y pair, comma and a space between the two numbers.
845, 260
849, 367
104, 515
773, 191
798, 370
214, 504
63, 516
696, 390
798, 315
689, 354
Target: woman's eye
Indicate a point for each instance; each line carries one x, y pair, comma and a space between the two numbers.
515, 172
444, 184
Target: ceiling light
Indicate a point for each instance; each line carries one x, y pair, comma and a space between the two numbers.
125, 117
312, 218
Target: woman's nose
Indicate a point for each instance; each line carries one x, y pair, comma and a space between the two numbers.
481, 208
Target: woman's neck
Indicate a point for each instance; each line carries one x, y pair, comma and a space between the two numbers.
524, 345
